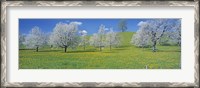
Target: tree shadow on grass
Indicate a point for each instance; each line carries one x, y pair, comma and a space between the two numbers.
168, 50
125, 46
26, 49
49, 51
158, 50
80, 51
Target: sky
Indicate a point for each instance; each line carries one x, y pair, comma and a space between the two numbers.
90, 25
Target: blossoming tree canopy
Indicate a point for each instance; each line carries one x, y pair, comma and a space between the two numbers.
65, 35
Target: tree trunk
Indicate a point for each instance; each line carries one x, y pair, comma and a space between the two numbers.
84, 45
110, 47
179, 42
100, 48
37, 49
65, 49
154, 46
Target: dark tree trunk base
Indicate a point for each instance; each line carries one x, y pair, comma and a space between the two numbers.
37, 49
65, 49
154, 46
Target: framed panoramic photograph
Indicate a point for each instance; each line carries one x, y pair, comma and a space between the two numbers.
100, 44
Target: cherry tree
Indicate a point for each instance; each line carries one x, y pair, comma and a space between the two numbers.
153, 30
49, 42
21, 40
141, 38
176, 32
84, 40
65, 35
35, 38
98, 39
112, 39
94, 40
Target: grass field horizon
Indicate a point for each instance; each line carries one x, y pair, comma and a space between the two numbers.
126, 56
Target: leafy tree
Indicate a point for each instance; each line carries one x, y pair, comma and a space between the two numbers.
84, 39
98, 39
165, 40
21, 40
94, 40
35, 38
112, 39
153, 30
49, 42
65, 35
122, 25
173, 35
176, 32
141, 38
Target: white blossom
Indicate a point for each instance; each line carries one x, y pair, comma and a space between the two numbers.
176, 32
141, 38
65, 35
35, 38
98, 39
151, 31
21, 40
112, 39
84, 40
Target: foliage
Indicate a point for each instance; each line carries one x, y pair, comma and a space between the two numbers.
128, 57
84, 39
112, 39
176, 32
35, 38
141, 38
98, 39
65, 35
21, 40
151, 31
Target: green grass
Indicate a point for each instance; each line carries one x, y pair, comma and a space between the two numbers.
125, 57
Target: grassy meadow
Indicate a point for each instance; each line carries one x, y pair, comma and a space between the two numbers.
126, 56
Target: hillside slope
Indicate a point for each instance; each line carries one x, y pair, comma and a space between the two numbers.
126, 38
